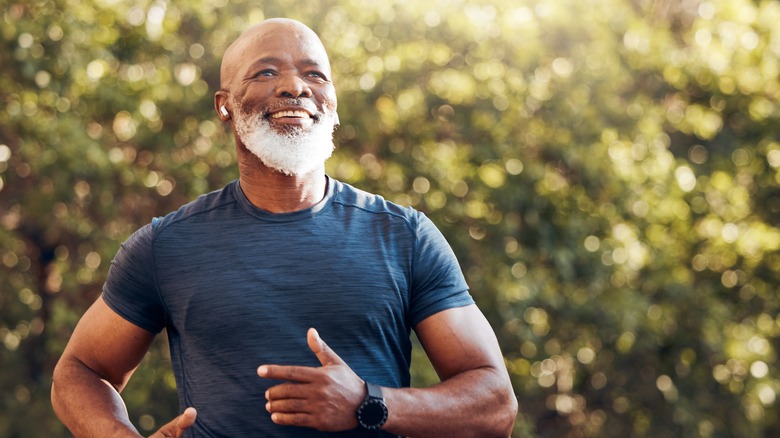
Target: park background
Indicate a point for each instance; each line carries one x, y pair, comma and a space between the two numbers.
607, 172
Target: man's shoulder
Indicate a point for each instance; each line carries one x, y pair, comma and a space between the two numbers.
350, 196
202, 204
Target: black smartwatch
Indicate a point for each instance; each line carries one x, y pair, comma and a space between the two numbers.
372, 413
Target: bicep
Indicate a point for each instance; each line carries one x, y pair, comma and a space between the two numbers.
459, 339
108, 344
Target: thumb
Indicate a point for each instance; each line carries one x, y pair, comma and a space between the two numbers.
324, 353
178, 425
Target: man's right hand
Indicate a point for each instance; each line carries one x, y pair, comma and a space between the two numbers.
178, 425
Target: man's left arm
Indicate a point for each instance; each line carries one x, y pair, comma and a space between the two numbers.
474, 398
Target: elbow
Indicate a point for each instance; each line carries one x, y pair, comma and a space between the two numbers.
498, 420
56, 382
66, 372
506, 415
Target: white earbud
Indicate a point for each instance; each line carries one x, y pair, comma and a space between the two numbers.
224, 111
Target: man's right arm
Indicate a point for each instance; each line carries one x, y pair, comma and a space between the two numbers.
100, 357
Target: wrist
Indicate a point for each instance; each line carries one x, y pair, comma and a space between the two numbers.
372, 413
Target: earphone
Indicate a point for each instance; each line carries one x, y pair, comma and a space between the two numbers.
224, 111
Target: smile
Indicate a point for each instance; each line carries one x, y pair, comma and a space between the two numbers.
298, 114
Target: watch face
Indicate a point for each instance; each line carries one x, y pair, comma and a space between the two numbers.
372, 414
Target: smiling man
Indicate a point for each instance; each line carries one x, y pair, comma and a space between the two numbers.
250, 282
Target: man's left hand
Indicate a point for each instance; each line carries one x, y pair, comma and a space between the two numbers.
324, 398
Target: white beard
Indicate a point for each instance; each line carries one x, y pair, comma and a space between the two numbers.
295, 153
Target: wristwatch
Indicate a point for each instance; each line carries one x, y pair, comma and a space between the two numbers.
372, 413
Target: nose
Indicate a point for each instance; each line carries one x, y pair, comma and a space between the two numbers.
292, 86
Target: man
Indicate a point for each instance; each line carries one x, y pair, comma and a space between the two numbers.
245, 279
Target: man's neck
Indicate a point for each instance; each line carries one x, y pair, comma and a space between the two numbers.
276, 192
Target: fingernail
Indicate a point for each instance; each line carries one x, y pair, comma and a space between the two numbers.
263, 370
266, 395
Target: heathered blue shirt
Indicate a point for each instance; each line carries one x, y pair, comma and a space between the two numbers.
237, 287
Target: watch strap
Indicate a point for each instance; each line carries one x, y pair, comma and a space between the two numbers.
374, 391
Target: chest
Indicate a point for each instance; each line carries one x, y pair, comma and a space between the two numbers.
279, 279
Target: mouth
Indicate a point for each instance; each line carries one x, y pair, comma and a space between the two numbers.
291, 118
293, 114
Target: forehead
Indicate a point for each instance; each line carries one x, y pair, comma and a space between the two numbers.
283, 41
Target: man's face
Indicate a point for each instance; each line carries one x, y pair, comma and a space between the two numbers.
283, 73
282, 96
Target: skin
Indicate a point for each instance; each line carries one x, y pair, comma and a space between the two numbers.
274, 62
99, 359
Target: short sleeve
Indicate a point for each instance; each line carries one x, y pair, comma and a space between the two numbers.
130, 288
437, 280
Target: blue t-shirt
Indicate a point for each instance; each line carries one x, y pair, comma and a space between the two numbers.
237, 287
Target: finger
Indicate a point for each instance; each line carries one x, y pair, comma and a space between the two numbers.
287, 391
176, 427
324, 353
307, 420
287, 406
187, 418
287, 372
296, 419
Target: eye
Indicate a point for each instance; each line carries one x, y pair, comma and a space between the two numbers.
316, 75
265, 72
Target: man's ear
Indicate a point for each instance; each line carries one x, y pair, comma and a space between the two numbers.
221, 105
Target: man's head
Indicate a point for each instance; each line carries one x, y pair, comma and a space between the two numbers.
276, 90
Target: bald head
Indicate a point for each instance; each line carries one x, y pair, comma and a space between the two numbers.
274, 32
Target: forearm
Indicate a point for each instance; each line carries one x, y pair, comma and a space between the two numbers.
478, 403
88, 405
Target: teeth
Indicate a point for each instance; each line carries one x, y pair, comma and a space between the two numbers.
299, 114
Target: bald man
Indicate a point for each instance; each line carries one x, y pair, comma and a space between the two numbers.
250, 281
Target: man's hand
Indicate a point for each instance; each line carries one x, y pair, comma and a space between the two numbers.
323, 398
176, 428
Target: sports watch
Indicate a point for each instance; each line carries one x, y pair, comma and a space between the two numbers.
372, 413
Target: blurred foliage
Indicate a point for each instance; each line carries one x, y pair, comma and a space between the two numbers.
606, 170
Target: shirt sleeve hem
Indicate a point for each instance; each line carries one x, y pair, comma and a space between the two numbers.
146, 325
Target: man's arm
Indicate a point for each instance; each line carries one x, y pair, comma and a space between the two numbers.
475, 397
99, 359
